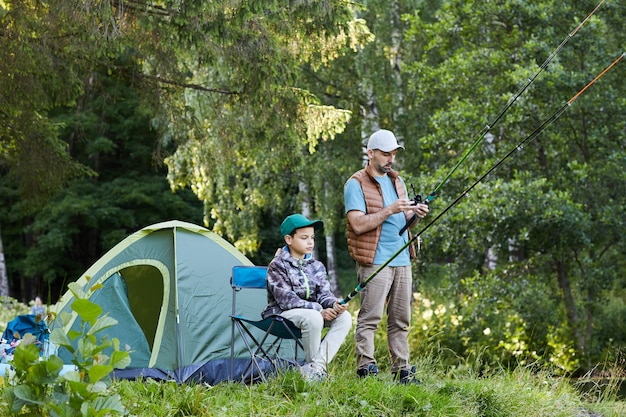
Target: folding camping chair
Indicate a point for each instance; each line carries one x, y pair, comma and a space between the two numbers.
264, 348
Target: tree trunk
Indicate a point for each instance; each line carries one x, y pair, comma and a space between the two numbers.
491, 259
4, 279
570, 305
516, 253
396, 56
587, 334
306, 211
331, 262
331, 266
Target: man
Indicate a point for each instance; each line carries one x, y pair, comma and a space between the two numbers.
298, 289
377, 208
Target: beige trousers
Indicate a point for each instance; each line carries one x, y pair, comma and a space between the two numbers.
390, 289
311, 323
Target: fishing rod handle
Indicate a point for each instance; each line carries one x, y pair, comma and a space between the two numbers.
350, 296
408, 224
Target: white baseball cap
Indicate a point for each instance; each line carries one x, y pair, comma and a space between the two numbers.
383, 140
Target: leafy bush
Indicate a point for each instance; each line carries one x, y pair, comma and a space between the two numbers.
493, 317
11, 308
37, 385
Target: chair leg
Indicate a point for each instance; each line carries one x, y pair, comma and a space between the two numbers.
260, 352
256, 353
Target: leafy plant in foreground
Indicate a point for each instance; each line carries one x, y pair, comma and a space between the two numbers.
36, 385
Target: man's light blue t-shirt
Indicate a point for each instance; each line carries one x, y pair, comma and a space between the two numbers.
390, 240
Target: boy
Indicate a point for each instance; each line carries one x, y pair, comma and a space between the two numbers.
299, 291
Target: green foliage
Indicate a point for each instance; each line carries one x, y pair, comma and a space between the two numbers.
213, 89
36, 385
267, 124
538, 234
40, 70
10, 308
494, 318
110, 132
235, 97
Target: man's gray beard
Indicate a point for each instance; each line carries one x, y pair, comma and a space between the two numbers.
384, 169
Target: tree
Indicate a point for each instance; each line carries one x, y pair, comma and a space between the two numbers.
536, 211
224, 74
4, 280
45, 54
109, 132
222, 79
367, 81
268, 124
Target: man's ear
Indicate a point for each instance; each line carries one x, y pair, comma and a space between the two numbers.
288, 239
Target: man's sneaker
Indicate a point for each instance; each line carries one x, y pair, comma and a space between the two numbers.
312, 372
406, 376
371, 370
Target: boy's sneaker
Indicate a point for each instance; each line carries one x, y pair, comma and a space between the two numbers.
311, 372
371, 370
406, 376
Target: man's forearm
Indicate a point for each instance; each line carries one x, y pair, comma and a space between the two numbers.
362, 223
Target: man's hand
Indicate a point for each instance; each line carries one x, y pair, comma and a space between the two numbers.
421, 210
362, 223
401, 205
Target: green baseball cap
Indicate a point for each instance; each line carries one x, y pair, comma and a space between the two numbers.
296, 221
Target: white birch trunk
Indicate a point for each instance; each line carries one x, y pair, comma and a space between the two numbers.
4, 279
331, 264
306, 211
491, 260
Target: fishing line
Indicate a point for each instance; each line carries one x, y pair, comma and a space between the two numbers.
499, 116
517, 148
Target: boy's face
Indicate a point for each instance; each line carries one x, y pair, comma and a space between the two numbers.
302, 242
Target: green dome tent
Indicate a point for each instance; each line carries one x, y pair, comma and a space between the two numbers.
168, 286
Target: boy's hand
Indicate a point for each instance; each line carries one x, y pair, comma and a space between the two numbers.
339, 308
329, 314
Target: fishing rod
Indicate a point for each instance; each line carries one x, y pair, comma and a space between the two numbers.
517, 148
418, 198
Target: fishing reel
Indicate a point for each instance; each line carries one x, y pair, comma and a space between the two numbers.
417, 198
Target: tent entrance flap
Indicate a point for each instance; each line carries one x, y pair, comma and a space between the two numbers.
144, 284
113, 299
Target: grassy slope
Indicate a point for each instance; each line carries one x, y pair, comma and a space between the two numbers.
514, 394
443, 392
459, 392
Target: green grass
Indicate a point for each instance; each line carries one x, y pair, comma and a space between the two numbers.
520, 393
461, 391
